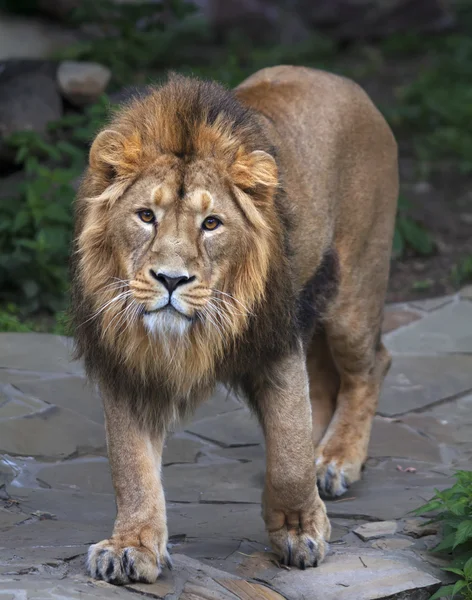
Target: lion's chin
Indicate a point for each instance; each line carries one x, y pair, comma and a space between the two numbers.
166, 321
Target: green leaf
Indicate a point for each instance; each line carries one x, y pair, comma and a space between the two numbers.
468, 569
459, 572
398, 248
458, 586
443, 592
447, 543
464, 532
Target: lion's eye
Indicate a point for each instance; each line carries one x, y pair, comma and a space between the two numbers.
211, 223
147, 216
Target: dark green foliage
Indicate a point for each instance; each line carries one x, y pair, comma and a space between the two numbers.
410, 236
453, 509
36, 221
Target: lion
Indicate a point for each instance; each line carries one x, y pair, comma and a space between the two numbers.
241, 237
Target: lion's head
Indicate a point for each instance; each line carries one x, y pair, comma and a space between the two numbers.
176, 229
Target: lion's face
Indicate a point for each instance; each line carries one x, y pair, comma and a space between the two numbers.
177, 233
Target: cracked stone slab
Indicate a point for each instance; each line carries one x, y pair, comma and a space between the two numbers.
392, 544
13, 403
37, 588
416, 382
377, 529
432, 304
76, 507
356, 575
237, 428
222, 401
221, 521
447, 330
189, 576
180, 448
233, 482
73, 393
54, 433
86, 475
398, 317
413, 446
37, 352
385, 494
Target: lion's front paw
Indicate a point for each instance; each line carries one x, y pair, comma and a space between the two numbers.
334, 474
302, 541
118, 564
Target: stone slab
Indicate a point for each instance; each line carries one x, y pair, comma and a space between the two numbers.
447, 330
13, 403
237, 428
222, 401
377, 529
180, 448
76, 507
82, 474
385, 494
431, 304
233, 482
392, 439
356, 575
392, 544
53, 433
416, 382
73, 393
230, 521
395, 318
37, 352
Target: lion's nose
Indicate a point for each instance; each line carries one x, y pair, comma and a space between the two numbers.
171, 282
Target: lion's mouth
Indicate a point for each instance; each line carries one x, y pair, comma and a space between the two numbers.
169, 309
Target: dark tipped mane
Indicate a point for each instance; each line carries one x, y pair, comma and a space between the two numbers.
171, 116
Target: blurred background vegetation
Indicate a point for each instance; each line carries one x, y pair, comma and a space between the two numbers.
413, 57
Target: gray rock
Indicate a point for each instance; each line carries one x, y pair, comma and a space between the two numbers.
447, 330
81, 508
83, 474
392, 544
15, 404
391, 439
53, 433
238, 429
415, 382
384, 493
221, 521
82, 83
419, 528
234, 482
37, 352
181, 449
220, 403
43, 37
27, 102
377, 529
432, 304
73, 393
356, 576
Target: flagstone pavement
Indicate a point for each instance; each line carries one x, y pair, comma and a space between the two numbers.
56, 495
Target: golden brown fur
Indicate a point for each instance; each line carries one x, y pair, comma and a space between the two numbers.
283, 300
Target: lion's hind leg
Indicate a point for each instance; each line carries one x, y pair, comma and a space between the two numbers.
354, 337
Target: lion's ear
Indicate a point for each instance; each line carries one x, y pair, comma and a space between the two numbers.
112, 154
253, 169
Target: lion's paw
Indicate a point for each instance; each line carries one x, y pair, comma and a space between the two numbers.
335, 476
111, 562
303, 540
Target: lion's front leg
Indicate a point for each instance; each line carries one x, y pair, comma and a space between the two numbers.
137, 550
294, 513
